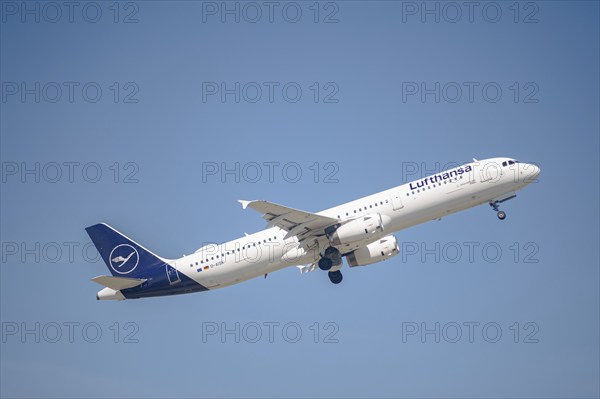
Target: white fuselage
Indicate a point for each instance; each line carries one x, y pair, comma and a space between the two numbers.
219, 265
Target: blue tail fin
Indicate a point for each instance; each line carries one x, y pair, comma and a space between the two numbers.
123, 257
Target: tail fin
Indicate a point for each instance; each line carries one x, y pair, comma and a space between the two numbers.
123, 256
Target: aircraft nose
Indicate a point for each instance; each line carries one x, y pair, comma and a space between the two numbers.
536, 171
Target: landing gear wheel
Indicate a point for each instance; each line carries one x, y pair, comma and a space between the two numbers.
325, 264
335, 277
501, 214
333, 254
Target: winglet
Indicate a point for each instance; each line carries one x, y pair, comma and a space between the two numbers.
244, 203
474, 160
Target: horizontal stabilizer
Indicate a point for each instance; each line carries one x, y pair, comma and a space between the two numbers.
118, 283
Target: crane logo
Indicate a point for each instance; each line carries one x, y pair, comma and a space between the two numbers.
124, 259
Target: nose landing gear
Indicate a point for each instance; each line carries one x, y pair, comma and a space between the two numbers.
501, 214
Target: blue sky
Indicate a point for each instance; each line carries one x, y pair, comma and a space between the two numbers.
118, 111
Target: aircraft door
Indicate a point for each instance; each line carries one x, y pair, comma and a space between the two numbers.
467, 178
397, 200
172, 275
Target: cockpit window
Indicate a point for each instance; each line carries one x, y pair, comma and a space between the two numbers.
510, 162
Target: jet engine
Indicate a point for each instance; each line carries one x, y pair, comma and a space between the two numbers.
359, 229
377, 251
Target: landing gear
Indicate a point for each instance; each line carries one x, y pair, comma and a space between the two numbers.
501, 214
333, 254
335, 277
332, 258
325, 264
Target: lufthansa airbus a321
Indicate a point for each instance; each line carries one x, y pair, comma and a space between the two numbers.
361, 231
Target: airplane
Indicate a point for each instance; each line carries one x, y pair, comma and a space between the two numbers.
360, 230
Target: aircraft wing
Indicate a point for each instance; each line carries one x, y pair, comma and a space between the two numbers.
301, 224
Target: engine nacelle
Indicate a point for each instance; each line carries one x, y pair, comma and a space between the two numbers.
360, 229
377, 251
